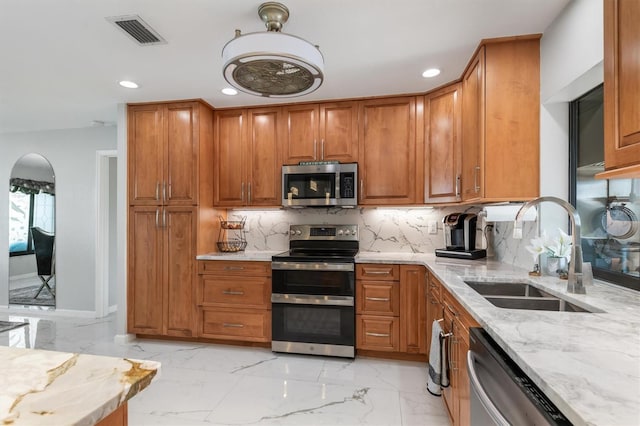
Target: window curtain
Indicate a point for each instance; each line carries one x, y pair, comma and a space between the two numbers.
28, 186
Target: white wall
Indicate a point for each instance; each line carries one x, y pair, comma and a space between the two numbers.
72, 155
113, 230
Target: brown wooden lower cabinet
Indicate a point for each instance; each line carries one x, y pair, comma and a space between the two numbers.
457, 321
234, 300
119, 417
390, 308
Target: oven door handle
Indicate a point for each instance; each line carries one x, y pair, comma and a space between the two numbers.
312, 266
303, 299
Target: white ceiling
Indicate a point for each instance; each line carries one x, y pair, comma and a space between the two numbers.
60, 61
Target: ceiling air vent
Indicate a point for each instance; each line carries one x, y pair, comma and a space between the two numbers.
137, 29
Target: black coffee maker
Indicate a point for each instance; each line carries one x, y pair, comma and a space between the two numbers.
460, 237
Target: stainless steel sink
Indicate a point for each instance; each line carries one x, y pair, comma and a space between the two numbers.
536, 304
487, 288
522, 295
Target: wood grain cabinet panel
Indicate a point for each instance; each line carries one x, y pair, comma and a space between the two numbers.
234, 300
339, 132
387, 151
443, 150
413, 313
247, 160
621, 88
377, 333
378, 298
501, 121
300, 138
145, 145
377, 272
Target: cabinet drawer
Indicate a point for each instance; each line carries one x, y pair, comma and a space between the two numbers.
378, 298
377, 272
377, 333
226, 267
248, 292
457, 311
247, 325
435, 287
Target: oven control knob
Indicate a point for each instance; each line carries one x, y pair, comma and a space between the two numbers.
298, 232
292, 232
340, 231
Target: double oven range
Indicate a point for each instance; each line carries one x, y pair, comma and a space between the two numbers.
313, 289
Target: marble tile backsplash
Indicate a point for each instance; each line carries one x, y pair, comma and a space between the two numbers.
383, 230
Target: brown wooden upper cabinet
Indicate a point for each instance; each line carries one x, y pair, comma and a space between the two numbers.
320, 132
387, 147
443, 150
246, 158
621, 89
501, 121
163, 150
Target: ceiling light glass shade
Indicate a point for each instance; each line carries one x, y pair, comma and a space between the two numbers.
431, 72
272, 64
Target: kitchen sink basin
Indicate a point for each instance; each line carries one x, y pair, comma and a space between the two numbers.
487, 288
522, 295
536, 304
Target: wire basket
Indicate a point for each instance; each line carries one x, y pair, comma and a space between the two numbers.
232, 224
231, 246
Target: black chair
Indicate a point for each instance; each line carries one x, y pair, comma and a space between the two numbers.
43, 245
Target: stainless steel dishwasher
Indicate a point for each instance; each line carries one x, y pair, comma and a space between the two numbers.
501, 393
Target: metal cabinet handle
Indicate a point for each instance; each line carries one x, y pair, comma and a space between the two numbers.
377, 272
315, 149
164, 218
234, 268
232, 325
455, 314
157, 190
434, 302
233, 293
170, 191
249, 193
164, 191
377, 299
157, 214
361, 189
458, 186
476, 172
242, 192
377, 334
477, 388
322, 149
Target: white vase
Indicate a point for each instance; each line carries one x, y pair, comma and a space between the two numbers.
555, 265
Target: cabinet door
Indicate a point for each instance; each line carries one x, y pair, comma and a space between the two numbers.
412, 310
473, 128
264, 171
339, 132
145, 141
179, 224
449, 394
300, 134
144, 283
387, 147
443, 153
622, 84
229, 161
464, 408
181, 167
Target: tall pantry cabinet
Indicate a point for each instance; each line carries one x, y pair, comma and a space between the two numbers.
171, 218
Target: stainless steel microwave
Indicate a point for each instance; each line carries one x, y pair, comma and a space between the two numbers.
320, 185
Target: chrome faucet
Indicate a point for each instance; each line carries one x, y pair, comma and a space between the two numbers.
580, 273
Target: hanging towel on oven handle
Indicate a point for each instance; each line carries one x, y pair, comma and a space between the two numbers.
438, 375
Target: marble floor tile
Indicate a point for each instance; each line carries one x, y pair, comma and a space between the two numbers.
208, 384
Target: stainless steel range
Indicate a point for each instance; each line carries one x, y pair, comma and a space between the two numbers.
313, 294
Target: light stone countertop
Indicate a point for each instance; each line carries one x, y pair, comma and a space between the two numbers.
58, 388
243, 255
588, 364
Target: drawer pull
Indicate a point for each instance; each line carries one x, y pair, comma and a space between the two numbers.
377, 272
233, 293
234, 268
378, 299
455, 314
434, 302
232, 325
377, 334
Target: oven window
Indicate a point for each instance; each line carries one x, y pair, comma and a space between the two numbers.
320, 283
334, 325
310, 186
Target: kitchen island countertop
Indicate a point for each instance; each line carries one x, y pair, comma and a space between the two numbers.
59, 388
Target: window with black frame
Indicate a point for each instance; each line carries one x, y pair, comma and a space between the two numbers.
609, 209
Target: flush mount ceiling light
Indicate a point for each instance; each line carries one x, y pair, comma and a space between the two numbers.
431, 72
272, 64
128, 84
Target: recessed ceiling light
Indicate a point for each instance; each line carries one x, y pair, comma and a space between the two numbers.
431, 72
128, 84
229, 91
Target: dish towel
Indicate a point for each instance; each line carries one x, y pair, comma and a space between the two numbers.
438, 377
